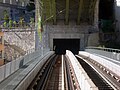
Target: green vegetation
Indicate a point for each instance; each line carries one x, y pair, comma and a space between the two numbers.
7, 22
6, 16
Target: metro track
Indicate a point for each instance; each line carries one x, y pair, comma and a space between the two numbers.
99, 74
39, 80
50, 76
58, 74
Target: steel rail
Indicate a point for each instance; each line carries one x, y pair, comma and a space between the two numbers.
50, 75
69, 76
72, 80
37, 79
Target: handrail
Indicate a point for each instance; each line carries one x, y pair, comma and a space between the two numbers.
105, 49
18, 29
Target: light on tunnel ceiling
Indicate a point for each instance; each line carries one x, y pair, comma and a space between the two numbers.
118, 3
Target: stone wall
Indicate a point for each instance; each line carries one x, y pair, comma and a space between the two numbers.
18, 43
24, 40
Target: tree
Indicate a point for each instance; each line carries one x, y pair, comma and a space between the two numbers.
6, 16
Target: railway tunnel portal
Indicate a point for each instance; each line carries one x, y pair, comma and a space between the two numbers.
68, 20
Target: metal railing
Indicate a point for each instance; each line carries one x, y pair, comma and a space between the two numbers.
108, 52
17, 25
105, 49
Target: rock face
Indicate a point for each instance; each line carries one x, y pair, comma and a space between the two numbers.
18, 44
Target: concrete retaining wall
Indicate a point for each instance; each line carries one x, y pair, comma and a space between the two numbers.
2, 74
31, 71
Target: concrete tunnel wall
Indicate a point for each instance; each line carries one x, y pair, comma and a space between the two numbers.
70, 31
61, 31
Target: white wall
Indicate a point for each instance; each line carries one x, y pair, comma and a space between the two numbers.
117, 14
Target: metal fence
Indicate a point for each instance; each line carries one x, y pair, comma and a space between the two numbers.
108, 52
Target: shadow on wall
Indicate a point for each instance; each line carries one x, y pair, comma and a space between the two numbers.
21, 63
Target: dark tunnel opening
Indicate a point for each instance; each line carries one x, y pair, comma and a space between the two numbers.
106, 16
61, 45
106, 9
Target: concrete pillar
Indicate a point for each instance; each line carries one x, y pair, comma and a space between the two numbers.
82, 44
96, 15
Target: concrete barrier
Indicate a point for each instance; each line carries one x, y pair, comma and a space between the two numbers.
26, 59
83, 78
90, 85
24, 78
17, 64
31, 57
84, 81
2, 73
13, 67
34, 68
7, 69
